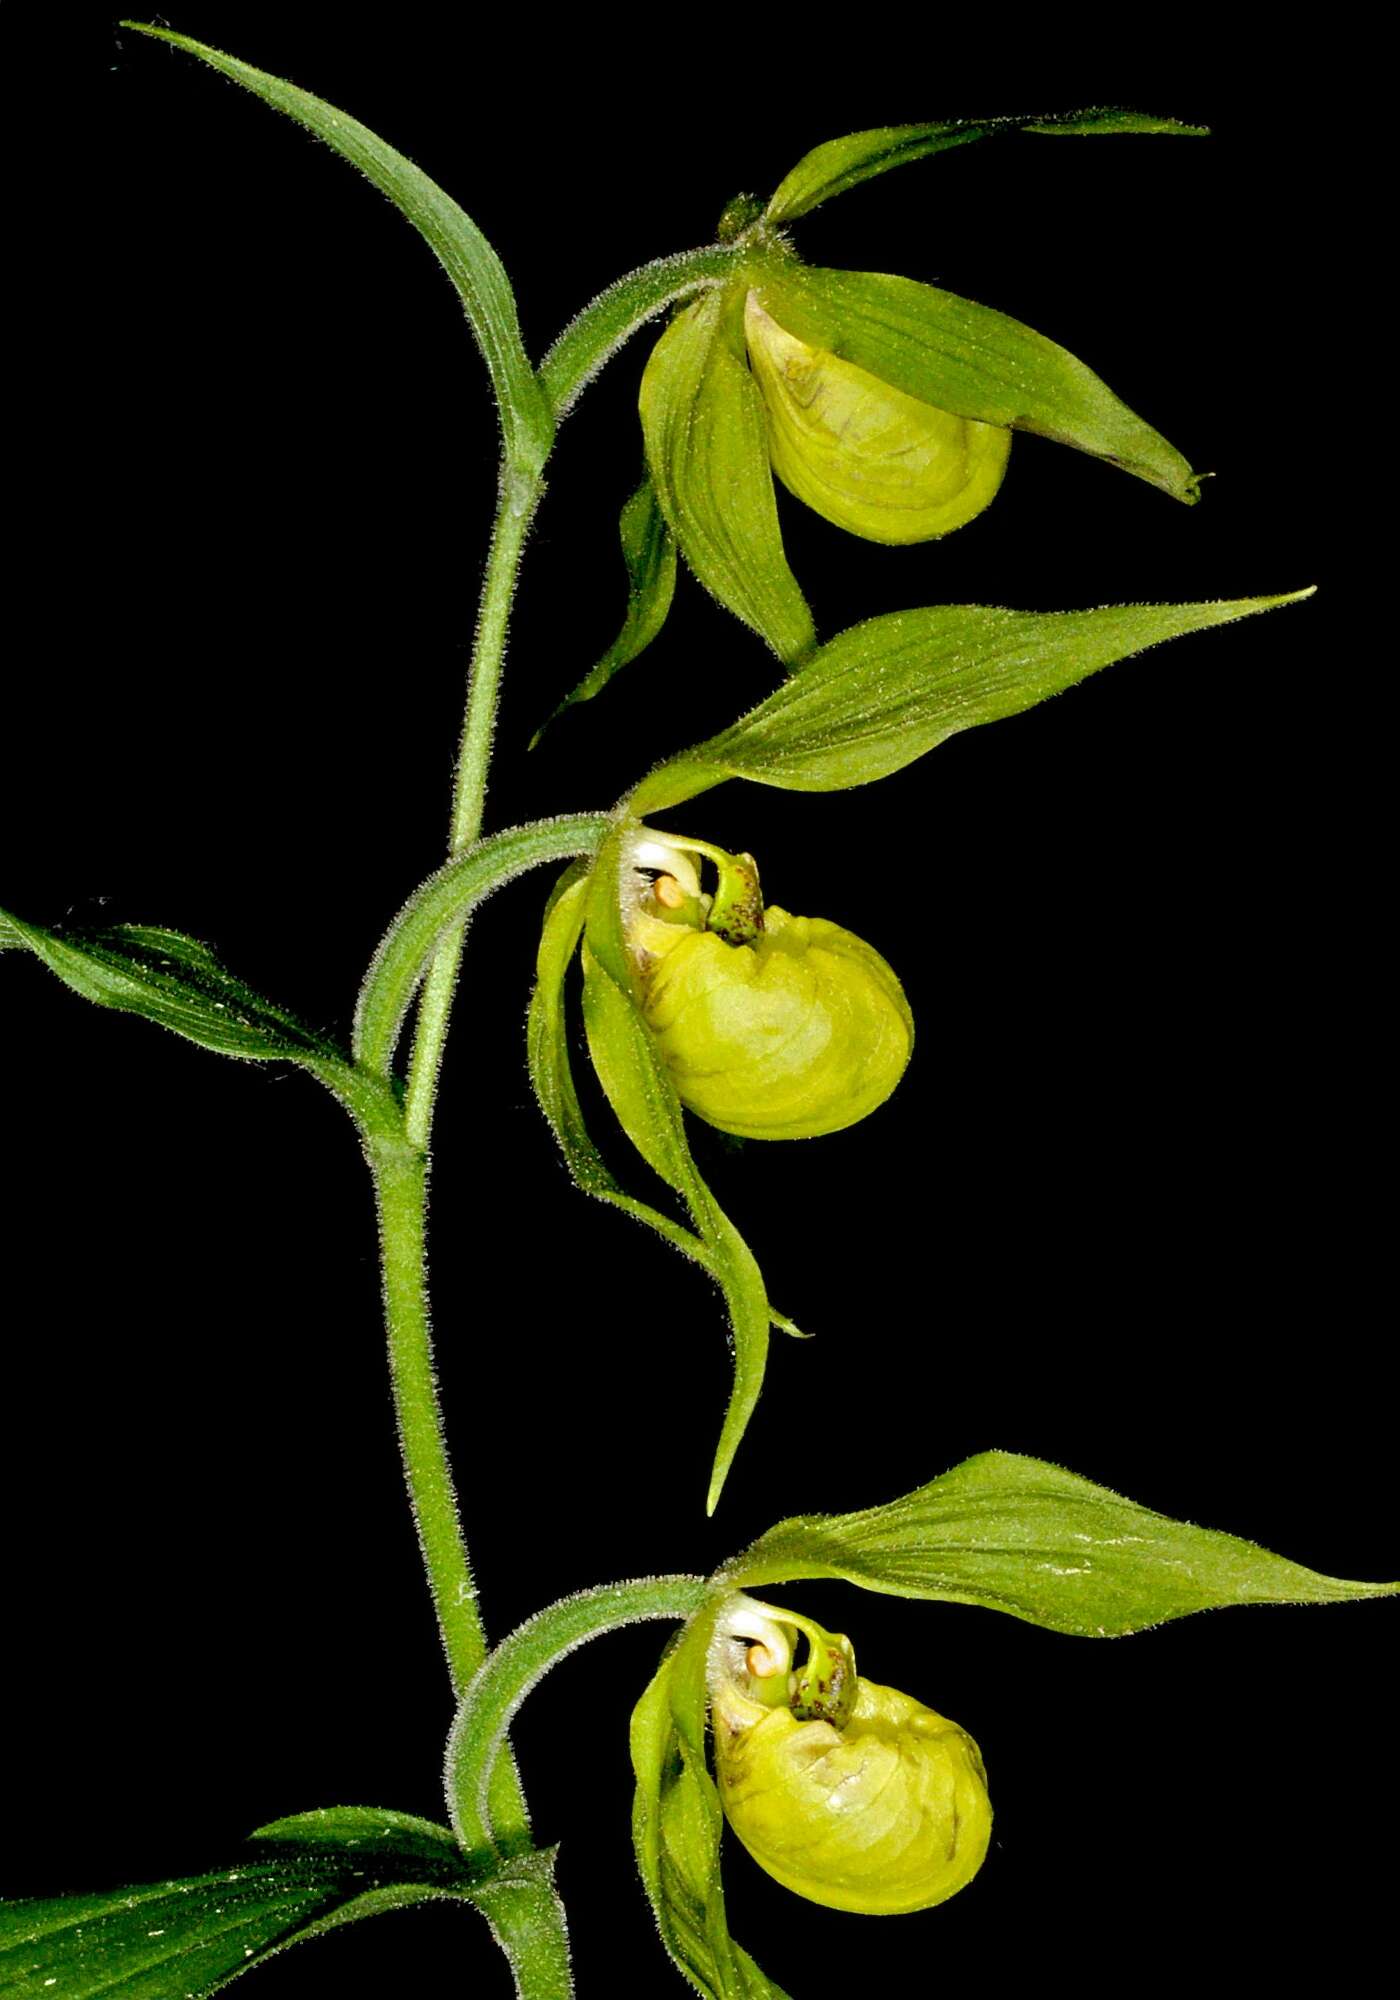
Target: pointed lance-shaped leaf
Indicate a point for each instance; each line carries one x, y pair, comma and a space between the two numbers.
968, 360
1020, 1536
194, 1935
707, 446
649, 551
638, 1086
527, 423
173, 980
178, 983
885, 692
844, 163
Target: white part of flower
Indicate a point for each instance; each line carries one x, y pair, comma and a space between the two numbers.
646, 853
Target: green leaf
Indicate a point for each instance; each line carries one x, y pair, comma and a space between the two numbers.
1108, 119
844, 163
969, 360
677, 1822
192, 1936
407, 948
885, 692
176, 981
639, 1089
649, 552
707, 447
527, 423
1020, 1536
418, 1842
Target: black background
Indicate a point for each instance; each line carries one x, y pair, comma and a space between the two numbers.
1122, 1212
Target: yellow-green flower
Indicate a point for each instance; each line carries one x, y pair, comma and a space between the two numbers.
884, 404
772, 1026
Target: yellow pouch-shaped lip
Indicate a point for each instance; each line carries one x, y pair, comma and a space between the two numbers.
862, 453
848, 1793
801, 1032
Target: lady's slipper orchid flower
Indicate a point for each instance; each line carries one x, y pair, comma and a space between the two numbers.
771, 1026
884, 404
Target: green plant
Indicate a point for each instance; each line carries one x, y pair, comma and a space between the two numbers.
861, 707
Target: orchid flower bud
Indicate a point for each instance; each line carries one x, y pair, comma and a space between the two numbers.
772, 1026
863, 453
848, 1793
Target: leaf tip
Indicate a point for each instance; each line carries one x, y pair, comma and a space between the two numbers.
1284, 597
156, 34
569, 701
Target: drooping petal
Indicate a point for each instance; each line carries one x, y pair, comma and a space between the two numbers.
707, 447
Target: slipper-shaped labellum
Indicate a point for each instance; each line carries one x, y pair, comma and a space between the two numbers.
848, 1793
772, 1026
862, 453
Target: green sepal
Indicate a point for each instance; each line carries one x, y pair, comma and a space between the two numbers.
677, 1823
173, 980
1021, 1536
886, 692
707, 446
966, 359
193, 1935
527, 422
844, 163
649, 551
643, 1097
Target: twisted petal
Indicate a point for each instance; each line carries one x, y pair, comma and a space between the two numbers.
707, 450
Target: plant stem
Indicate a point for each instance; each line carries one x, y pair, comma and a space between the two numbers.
400, 1181
531, 1932
519, 497
527, 1922
400, 1165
